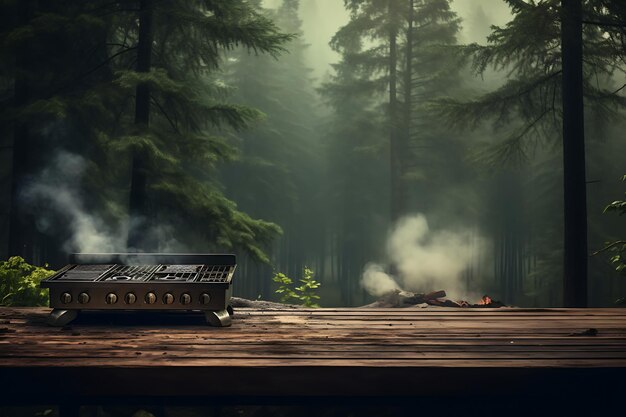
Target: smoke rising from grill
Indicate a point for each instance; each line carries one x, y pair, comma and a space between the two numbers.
425, 260
56, 194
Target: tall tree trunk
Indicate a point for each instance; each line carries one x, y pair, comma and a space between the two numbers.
394, 138
408, 106
575, 195
21, 231
137, 206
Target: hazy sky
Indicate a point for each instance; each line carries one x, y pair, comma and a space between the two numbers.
322, 18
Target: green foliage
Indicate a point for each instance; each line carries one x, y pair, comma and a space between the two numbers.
526, 109
618, 206
305, 293
616, 249
77, 62
284, 287
19, 283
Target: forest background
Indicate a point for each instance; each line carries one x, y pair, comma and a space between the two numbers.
267, 129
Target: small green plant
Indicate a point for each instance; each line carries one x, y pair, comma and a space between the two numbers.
305, 294
19, 283
617, 248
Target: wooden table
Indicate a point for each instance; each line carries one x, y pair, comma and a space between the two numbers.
367, 355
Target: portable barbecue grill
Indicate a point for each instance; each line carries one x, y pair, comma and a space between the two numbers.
143, 281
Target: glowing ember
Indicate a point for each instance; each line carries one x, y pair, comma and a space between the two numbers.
486, 300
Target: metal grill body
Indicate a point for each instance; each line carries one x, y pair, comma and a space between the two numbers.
160, 282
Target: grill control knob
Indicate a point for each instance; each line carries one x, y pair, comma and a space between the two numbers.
66, 298
111, 298
205, 298
83, 298
151, 298
168, 298
185, 299
130, 298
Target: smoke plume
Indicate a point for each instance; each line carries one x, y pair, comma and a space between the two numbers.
55, 196
376, 281
424, 260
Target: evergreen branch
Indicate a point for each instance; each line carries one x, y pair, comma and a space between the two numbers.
609, 246
605, 23
162, 110
499, 102
511, 150
94, 69
119, 114
532, 124
123, 45
538, 82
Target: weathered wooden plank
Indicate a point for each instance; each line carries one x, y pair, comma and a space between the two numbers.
314, 352
512, 346
360, 312
356, 342
275, 321
618, 356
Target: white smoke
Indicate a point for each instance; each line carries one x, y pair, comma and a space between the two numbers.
55, 195
376, 281
425, 260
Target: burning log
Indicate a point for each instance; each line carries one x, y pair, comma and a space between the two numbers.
485, 300
488, 302
443, 303
435, 295
404, 299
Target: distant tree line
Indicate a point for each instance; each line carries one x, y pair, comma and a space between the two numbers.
403, 81
196, 125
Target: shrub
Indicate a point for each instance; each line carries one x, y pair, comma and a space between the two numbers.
19, 283
305, 294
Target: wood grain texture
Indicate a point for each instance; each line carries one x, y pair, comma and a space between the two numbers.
314, 353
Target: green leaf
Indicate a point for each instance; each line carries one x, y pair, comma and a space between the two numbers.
19, 283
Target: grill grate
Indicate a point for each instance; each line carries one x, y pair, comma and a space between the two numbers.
171, 273
91, 268
123, 273
84, 272
160, 273
215, 273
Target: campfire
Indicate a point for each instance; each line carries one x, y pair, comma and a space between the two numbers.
485, 301
400, 299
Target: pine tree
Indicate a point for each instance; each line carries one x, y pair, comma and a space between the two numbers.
276, 176
160, 104
392, 65
405, 60
192, 33
530, 103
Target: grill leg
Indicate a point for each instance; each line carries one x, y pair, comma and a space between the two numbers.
230, 310
59, 317
218, 318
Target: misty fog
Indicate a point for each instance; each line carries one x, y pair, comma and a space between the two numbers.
313, 151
